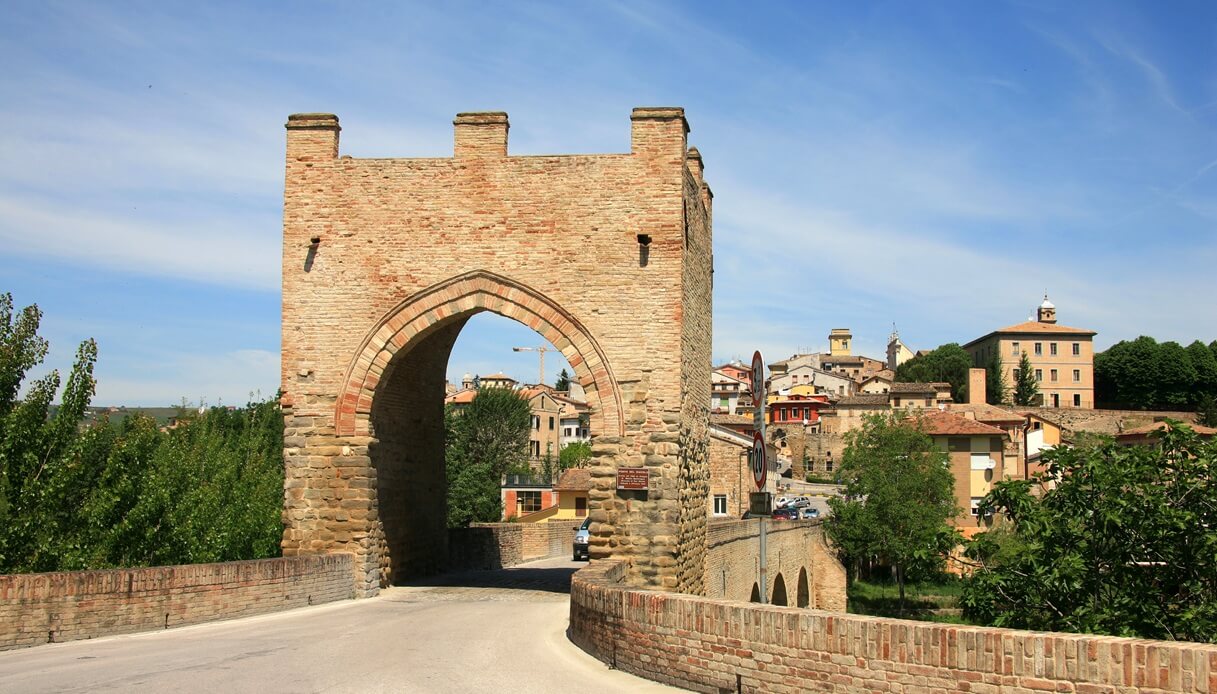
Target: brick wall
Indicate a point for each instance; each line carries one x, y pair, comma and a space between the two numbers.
485, 546
499, 545
711, 645
66, 606
553, 539
1105, 421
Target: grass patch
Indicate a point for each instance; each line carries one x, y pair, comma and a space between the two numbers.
930, 601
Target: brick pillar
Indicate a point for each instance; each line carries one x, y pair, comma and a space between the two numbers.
481, 134
977, 382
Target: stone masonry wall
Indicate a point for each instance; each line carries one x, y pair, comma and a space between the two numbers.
1109, 422
384, 258
499, 545
553, 539
710, 645
66, 606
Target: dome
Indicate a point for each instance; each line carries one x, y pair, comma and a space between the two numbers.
1047, 303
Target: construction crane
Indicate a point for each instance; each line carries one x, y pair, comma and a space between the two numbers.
541, 350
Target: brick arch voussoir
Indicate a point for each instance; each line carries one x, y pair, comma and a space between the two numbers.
417, 316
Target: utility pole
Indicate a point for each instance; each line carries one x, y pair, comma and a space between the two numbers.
541, 350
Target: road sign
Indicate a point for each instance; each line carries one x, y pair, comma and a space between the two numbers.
758, 378
760, 465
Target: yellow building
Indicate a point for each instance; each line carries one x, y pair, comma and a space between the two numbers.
838, 342
975, 453
1062, 357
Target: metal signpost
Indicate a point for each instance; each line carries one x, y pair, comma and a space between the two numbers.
761, 504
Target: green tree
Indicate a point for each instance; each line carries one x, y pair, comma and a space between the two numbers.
899, 495
1113, 539
997, 388
948, 363
1204, 362
483, 441
211, 489
576, 454
39, 471
1025, 386
1206, 410
563, 382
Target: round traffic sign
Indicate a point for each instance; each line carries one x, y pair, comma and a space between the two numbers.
760, 466
758, 377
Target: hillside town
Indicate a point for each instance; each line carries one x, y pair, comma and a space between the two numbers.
813, 400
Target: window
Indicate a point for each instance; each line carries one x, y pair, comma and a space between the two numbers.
959, 444
1052, 348
982, 461
720, 504
1039, 348
1016, 374
1056, 399
976, 506
1077, 349
529, 502
896, 402
1039, 374
1077, 400
580, 506
535, 447
828, 465
1052, 375
929, 402
1077, 375
536, 422
1014, 351
551, 423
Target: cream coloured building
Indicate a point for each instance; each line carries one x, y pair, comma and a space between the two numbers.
1062, 357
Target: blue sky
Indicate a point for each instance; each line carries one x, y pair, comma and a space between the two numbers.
934, 165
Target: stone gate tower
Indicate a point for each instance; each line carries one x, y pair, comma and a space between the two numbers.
384, 260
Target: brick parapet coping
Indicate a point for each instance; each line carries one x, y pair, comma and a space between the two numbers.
66, 606
720, 645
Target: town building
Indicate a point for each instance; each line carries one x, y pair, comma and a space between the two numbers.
897, 352
573, 420
838, 385
802, 409
738, 371
1062, 357
725, 392
499, 380
875, 385
544, 435
975, 456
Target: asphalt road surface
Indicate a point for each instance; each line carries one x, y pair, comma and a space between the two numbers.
488, 631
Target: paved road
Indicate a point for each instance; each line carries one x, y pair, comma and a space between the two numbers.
500, 631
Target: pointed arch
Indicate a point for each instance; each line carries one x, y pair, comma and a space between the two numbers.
418, 316
803, 598
756, 593
779, 591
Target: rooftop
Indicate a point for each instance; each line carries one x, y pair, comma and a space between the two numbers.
988, 413
1034, 327
940, 423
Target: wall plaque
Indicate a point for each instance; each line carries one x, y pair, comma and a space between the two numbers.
633, 478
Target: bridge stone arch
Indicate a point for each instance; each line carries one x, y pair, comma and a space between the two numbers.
607, 256
421, 315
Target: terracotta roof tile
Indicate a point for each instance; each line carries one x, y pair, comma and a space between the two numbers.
863, 399
988, 413
940, 423
1035, 328
576, 479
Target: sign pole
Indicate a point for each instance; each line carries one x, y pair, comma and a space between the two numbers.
762, 503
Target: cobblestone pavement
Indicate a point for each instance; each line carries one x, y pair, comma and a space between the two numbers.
500, 631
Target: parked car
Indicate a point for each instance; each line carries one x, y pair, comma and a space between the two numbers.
809, 513
581, 537
782, 501
799, 502
786, 513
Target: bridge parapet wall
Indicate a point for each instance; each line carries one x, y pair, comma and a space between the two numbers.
796, 552
70, 605
712, 645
